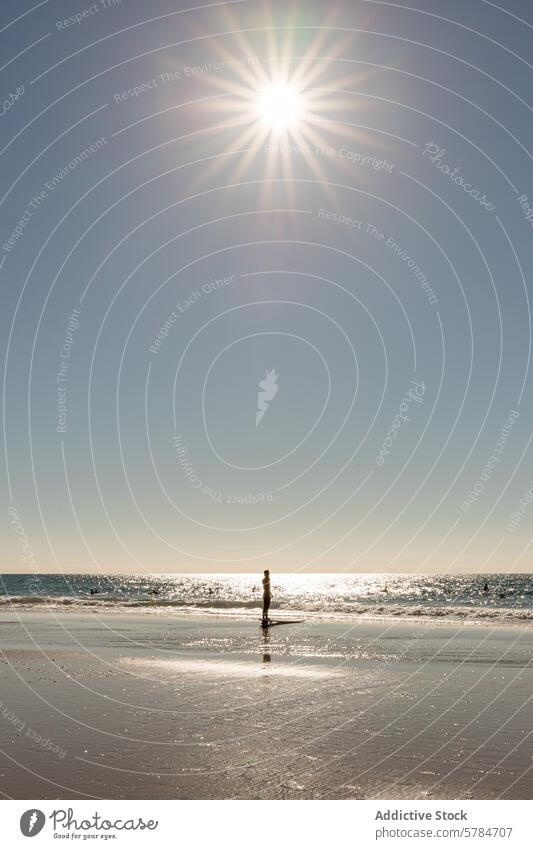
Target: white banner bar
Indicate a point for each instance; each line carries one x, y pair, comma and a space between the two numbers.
261, 824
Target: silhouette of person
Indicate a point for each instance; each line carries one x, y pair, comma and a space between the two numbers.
93, 591
486, 588
266, 597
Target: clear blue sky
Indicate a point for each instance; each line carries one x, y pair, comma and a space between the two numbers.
163, 249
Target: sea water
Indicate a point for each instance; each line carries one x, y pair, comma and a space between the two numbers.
504, 597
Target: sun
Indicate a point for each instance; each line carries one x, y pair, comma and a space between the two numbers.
281, 110
279, 106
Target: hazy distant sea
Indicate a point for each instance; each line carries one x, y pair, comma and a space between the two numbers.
509, 597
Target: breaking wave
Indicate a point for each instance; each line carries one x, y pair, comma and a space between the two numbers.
231, 607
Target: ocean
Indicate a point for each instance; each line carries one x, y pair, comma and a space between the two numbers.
334, 596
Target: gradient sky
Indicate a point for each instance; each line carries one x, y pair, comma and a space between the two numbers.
382, 449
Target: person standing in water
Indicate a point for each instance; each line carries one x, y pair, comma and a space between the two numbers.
266, 597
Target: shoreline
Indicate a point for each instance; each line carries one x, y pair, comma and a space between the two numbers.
212, 707
491, 616
324, 597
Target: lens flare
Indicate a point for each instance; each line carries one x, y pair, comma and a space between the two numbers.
279, 106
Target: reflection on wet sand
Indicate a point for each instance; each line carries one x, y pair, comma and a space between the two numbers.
175, 668
267, 657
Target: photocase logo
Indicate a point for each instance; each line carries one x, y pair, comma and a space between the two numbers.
267, 390
32, 822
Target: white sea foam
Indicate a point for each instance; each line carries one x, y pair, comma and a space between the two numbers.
249, 609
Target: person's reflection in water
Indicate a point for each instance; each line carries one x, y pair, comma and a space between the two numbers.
267, 657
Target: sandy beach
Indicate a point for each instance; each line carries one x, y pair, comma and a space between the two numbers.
124, 705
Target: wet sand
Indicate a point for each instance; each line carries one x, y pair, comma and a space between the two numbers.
156, 706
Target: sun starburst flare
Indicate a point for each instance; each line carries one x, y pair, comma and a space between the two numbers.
279, 106
286, 109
